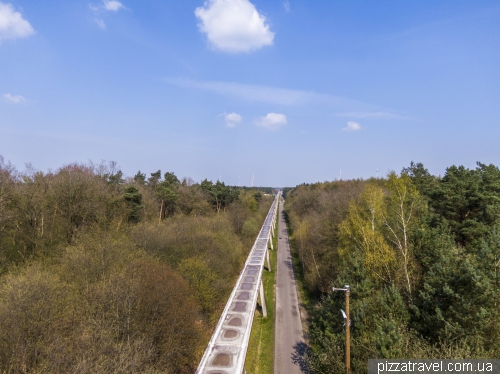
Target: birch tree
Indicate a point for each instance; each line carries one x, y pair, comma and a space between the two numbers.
404, 205
362, 232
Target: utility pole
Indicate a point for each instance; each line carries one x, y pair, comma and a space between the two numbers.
347, 320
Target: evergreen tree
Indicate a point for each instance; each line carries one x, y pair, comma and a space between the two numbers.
166, 193
469, 201
460, 292
154, 179
140, 178
421, 178
133, 199
116, 178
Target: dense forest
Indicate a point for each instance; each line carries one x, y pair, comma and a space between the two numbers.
106, 274
421, 254
266, 190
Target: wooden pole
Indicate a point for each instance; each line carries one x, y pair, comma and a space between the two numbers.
347, 332
347, 317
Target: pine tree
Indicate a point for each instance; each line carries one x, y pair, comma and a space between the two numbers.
133, 199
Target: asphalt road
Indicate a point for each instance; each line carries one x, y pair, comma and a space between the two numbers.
289, 340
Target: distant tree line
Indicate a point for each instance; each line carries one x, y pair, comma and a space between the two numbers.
105, 273
264, 190
286, 190
421, 254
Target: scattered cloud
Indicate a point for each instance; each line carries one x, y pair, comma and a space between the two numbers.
105, 6
286, 4
346, 107
14, 99
232, 119
112, 5
273, 121
273, 95
12, 24
100, 23
352, 126
233, 25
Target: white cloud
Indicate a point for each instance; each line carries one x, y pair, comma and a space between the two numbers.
12, 24
100, 23
273, 121
112, 5
232, 119
233, 25
105, 6
14, 99
352, 126
286, 4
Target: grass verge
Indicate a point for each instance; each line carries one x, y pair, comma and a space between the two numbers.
260, 354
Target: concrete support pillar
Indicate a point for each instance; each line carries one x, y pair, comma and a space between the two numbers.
271, 242
268, 260
263, 299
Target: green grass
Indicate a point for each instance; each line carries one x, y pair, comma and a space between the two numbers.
260, 354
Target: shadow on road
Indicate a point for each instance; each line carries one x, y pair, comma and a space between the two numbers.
299, 354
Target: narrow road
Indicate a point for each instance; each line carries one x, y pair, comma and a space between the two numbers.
289, 340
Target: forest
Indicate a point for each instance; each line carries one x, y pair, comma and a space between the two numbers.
105, 273
100, 272
421, 254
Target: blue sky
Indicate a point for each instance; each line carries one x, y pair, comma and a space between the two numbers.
286, 91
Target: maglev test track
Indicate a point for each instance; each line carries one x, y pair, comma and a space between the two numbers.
226, 351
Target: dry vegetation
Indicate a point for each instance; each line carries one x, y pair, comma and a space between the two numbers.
101, 274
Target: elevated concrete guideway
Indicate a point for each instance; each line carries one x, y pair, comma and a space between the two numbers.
227, 349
